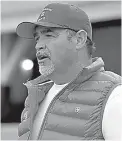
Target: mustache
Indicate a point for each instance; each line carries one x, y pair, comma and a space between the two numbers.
42, 54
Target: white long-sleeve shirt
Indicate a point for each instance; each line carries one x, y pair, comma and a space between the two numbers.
112, 116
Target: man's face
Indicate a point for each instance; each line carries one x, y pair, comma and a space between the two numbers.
55, 53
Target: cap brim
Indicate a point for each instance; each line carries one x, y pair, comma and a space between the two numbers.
26, 29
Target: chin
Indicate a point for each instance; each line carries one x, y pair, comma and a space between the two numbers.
46, 70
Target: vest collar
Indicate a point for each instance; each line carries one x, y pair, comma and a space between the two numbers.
97, 64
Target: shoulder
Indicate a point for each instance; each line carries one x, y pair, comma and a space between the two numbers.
107, 76
111, 123
39, 80
113, 76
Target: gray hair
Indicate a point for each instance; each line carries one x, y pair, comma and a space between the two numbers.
89, 43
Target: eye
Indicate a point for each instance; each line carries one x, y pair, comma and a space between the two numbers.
36, 39
48, 35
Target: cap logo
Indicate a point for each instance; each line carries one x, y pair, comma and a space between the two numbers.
42, 16
74, 7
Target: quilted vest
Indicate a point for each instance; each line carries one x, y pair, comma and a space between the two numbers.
76, 112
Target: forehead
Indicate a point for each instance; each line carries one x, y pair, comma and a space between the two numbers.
40, 28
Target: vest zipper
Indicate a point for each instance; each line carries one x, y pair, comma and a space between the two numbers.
58, 95
50, 106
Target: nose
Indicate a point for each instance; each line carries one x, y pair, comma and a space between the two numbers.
40, 47
38, 54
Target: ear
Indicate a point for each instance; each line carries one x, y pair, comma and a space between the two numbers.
81, 37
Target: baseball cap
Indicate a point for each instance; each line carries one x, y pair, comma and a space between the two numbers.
58, 15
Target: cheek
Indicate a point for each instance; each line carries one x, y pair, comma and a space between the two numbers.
63, 52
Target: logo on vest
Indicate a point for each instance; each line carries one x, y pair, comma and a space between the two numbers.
77, 110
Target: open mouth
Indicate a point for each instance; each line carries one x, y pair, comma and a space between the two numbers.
42, 57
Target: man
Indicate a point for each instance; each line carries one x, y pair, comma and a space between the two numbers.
74, 98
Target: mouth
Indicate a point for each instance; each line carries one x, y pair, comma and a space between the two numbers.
41, 58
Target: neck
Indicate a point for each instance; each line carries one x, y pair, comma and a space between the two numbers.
70, 74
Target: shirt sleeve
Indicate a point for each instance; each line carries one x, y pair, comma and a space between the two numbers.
112, 116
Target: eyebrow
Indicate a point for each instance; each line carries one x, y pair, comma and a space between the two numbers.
46, 30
